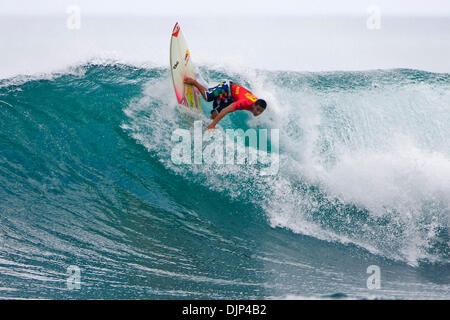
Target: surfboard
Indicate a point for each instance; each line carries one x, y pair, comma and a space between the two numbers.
181, 66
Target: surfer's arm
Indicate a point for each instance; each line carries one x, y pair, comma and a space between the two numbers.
194, 83
219, 117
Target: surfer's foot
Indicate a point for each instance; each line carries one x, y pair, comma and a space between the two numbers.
188, 80
192, 82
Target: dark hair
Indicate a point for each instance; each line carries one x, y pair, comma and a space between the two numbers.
262, 103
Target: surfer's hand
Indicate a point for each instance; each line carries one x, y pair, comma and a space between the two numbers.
211, 127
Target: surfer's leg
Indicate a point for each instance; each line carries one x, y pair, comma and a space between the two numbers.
220, 97
218, 105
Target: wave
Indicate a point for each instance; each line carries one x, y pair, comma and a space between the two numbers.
86, 170
364, 158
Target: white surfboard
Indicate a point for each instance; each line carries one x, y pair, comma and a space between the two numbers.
181, 66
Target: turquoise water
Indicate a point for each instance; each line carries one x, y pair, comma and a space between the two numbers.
86, 180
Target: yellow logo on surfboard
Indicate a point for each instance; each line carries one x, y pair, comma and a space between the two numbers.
186, 56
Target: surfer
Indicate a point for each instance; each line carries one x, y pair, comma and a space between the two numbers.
228, 97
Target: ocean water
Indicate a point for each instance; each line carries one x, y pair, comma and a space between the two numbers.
87, 181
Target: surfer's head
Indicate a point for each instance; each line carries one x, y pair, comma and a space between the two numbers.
259, 107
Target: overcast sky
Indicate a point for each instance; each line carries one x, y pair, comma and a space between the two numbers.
243, 7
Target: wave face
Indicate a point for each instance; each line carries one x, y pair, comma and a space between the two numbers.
87, 180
